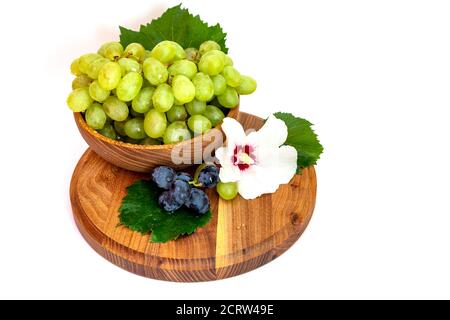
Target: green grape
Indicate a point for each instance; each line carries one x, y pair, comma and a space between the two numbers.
192, 54
215, 102
228, 190
130, 140
154, 71
82, 81
164, 51
97, 92
74, 68
143, 101
204, 87
229, 99
183, 89
212, 62
179, 52
163, 98
95, 67
110, 75
146, 83
79, 100
85, 60
208, 46
129, 65
247, 86
232, 76
134, 51
108, 131
177, 103
220, 84
214, 114
227, 61
176, 113
176, 132
149, 142
155, 123
115, 108
136, 114
129, 86
183, 67
199, 123
196, 107
95, 116
134, 128
146, 55
119, 126
111, 50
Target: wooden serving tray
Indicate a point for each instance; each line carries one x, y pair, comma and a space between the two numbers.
243, 234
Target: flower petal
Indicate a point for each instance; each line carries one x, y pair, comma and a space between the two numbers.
229, 174
234, 132
251, 185
273, 133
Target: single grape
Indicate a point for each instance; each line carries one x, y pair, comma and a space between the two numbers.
134, 51
119, 126
192, 54
227, 61
176, 132
134, 128
95, 116
183, 176
247, 86
97, 92
176, 113
167, 201
155, 123
220, 84
207, 175
212, 62
75, 69
164, 51
183, 67
227, 191
115, 108
183, 89
208, 46
229, 99
85, 60
111, 50
129, 65
79, 100
108, 131
232, 76
129, 86
204, 87
143, 101
82, 81
95, 66
163, 177
146, 55
154, 71
198, 201
199, 123
196, 107
136, 114
179, 52
163, 98
214, 114
181, 190
149, 142
110, 75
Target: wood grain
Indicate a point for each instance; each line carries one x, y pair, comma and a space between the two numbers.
242, 235
143, 158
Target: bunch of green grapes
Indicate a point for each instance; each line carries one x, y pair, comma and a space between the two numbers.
165, 95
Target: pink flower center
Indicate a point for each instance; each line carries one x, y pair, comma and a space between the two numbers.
243, 157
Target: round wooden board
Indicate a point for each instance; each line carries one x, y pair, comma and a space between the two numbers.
243, 234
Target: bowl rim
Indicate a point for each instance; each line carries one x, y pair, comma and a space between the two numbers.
79, 119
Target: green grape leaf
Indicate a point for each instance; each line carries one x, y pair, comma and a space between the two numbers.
141, 212
178, 25
302, 138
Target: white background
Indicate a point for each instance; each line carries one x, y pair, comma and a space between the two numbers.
374, 76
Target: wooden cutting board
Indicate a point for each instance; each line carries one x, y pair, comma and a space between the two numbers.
243, 234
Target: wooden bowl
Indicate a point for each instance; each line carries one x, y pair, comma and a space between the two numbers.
143, 158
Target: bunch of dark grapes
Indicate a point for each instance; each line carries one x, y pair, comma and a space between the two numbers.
179, 190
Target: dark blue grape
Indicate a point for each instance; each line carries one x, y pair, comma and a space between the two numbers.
181, 191
198, 201
163, 177
209, 176
167, 201
183, 176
